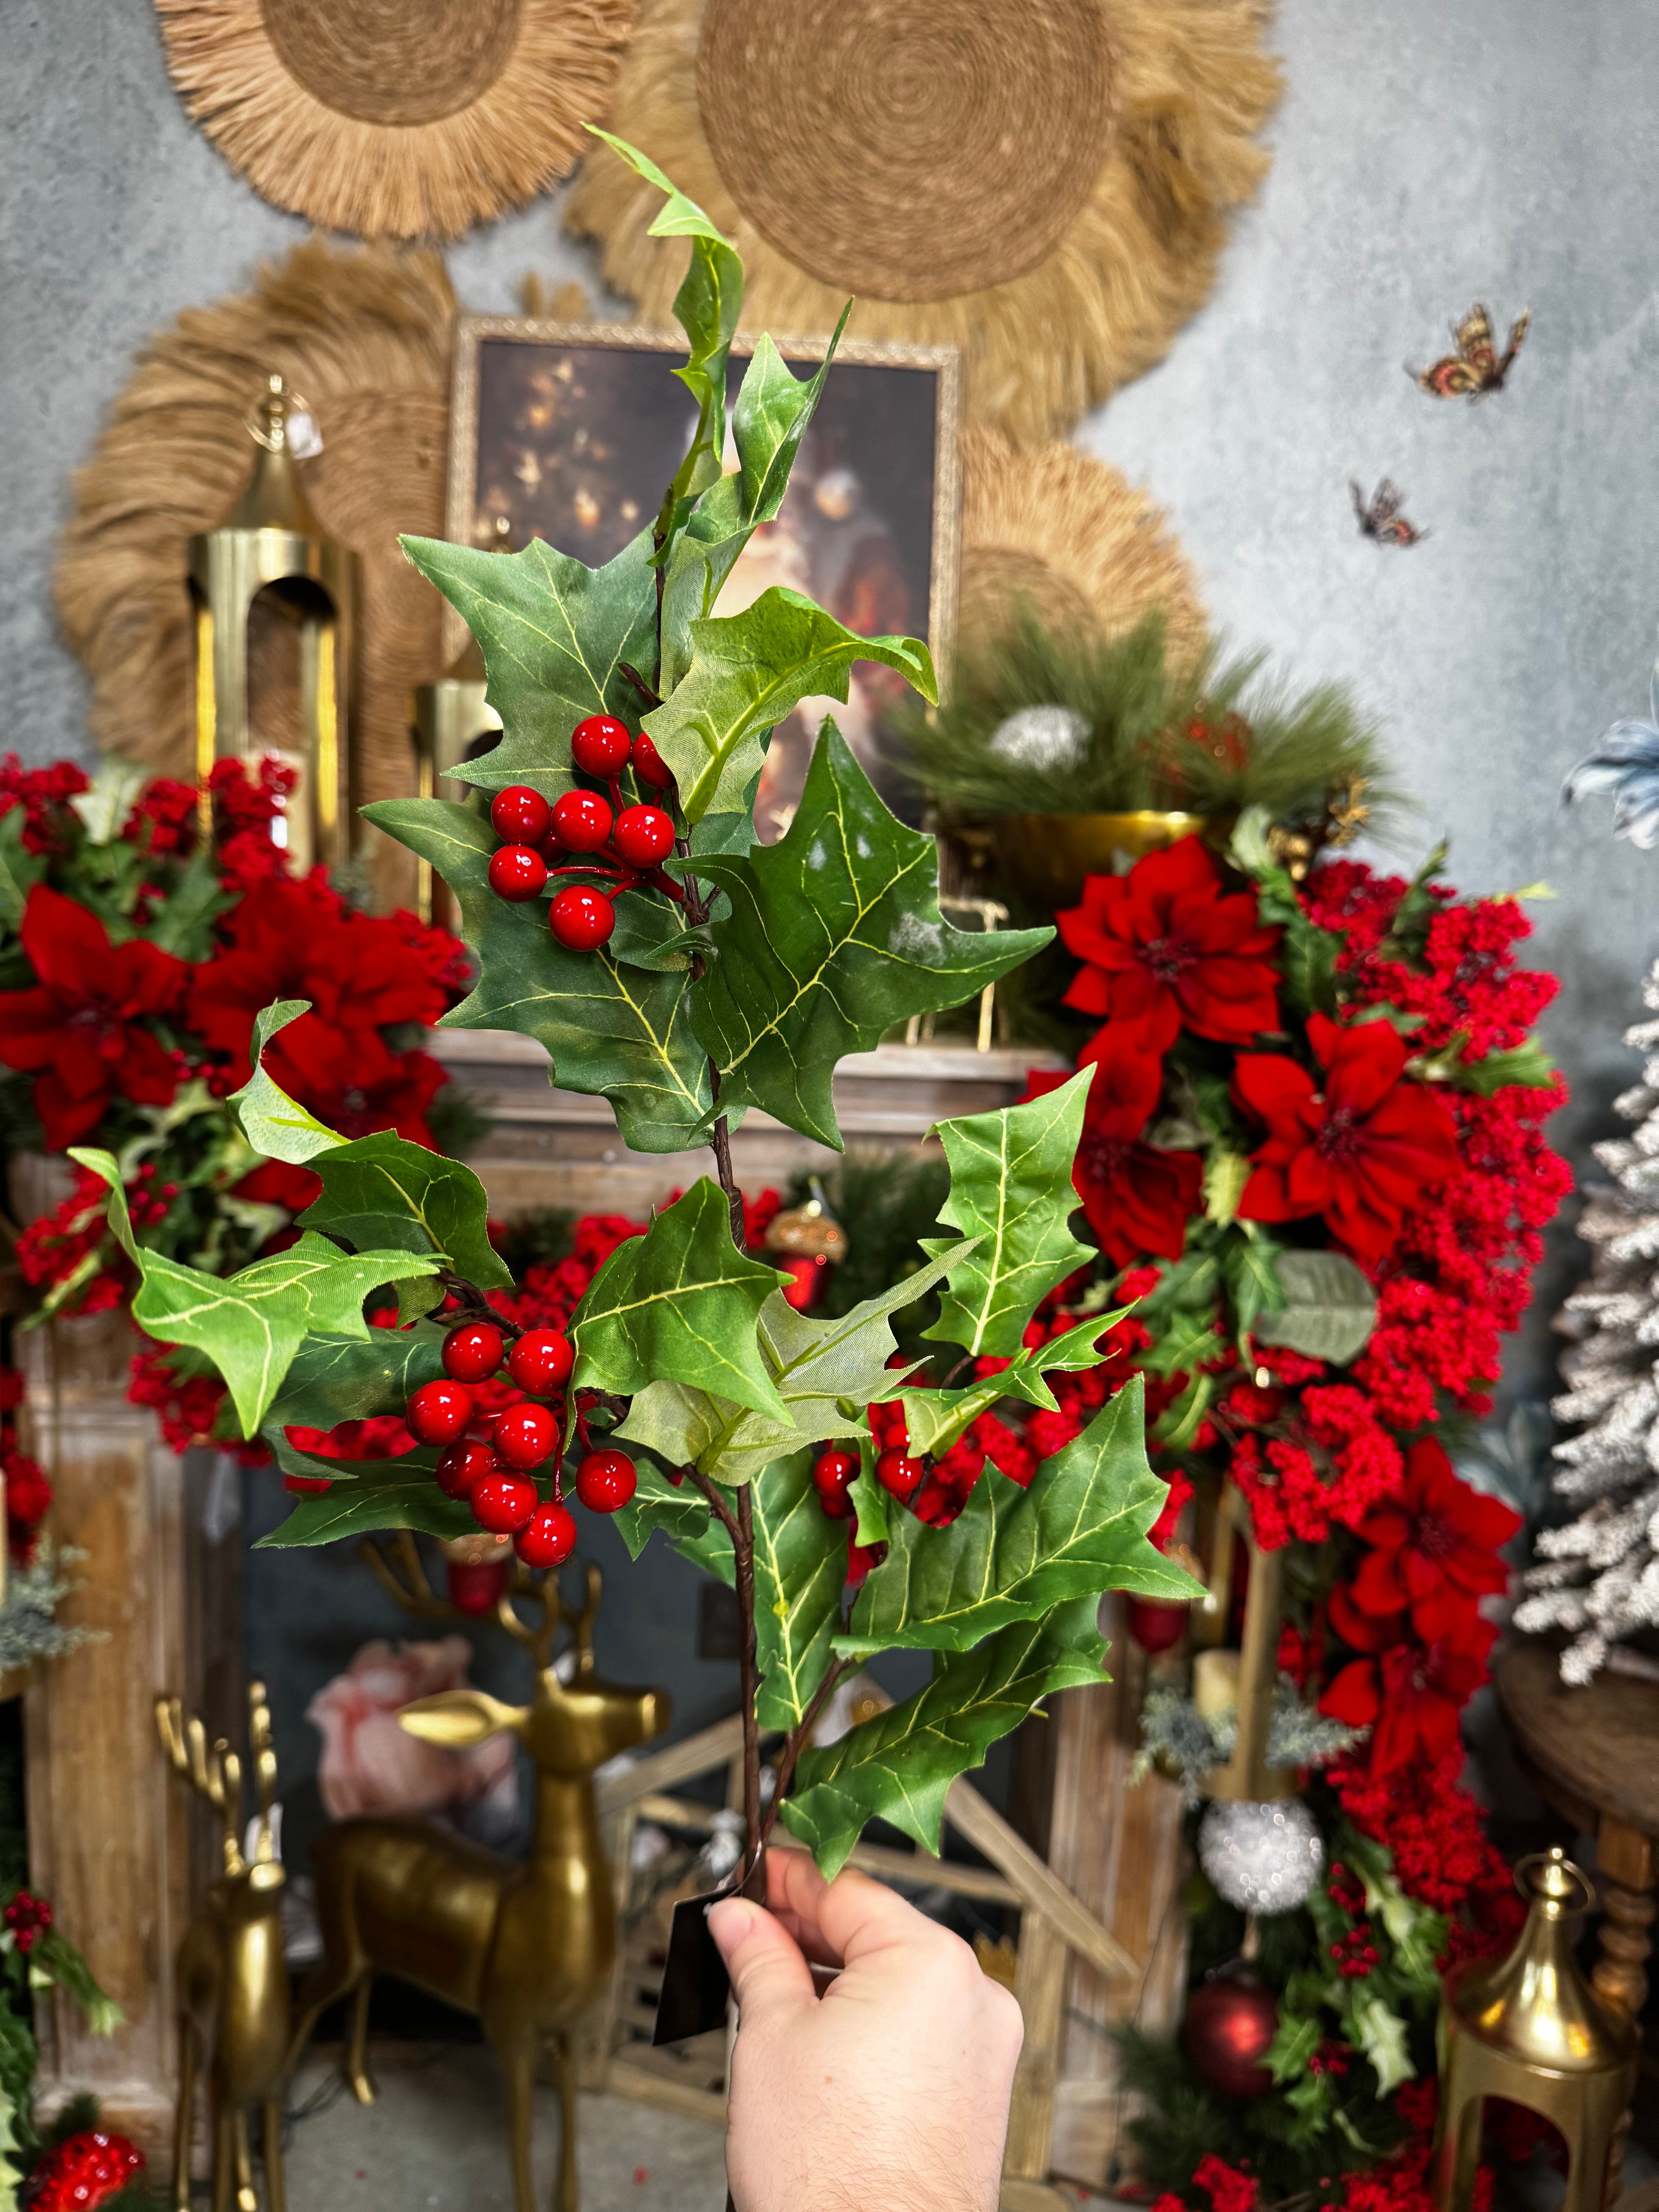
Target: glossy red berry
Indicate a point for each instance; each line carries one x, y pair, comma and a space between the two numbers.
540, 1362
649, 765
900, 1475
518, 814
605, 1480
438, 1411
600, 745
834, 1473
463, 1467
581, 920
517, 872
643, 835
581, 820
473, 1351
525, 1435
548, 1538
503, 1504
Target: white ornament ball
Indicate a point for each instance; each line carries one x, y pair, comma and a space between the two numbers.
1040, 737
1262, 1858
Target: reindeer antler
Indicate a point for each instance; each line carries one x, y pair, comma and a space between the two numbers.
540, 1590
582, 1624
396, 1567
217, 1777
264, 1766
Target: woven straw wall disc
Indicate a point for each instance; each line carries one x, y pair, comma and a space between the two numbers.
364, 337
1044, 183
396, 118
1067, 534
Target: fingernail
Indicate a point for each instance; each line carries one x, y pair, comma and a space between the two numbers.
731, 1921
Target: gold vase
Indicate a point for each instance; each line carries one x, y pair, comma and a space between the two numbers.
1047, 856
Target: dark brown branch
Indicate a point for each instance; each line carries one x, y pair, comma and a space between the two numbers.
646, 690
795, 1742
749, 1689
718, 1506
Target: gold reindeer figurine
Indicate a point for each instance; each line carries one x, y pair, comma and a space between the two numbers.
527, 1945
232, 1983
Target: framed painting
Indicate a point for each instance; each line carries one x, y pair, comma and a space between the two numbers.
571, 431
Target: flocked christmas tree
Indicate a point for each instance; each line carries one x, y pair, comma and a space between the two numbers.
1597, 1574
687, 974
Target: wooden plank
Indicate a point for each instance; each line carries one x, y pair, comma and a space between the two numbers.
1040, 1985
985, 1828
644, 2088
1021, 2195
659, 1771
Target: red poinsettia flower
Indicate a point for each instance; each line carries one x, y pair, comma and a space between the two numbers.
85, 1030
351, 1081
1165, 947
1409, 1693
1137, 1199
1360, 1151
288, 940
1434, 1548
275, 1182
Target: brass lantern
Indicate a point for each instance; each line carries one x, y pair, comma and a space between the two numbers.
1530, 2029
272, 544
1240, 1679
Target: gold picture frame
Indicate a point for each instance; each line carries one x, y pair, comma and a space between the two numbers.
536, 406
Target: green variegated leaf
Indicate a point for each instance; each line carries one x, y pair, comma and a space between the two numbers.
835, 934
554, 635
1014, 1554
678, 1305
1328, 1309
351, 1378
383, 1191
250, 1324
401, 1500
747, 672
800, 1569
620, 1032
898, 1765
683, 1515
818, 1367
273, 1123
1011, 1183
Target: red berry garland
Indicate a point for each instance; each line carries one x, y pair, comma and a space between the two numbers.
81, 2172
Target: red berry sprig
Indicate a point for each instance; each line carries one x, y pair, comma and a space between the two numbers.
834, 1473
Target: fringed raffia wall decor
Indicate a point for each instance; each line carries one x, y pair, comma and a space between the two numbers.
396, 118
1044, 183
1055, 530
363, 335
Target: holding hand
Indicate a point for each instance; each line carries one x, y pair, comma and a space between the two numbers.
889, 2092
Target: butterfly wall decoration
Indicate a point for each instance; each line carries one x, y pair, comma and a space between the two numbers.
1477, 367
1380, 517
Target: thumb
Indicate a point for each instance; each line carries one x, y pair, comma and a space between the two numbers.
770, 1980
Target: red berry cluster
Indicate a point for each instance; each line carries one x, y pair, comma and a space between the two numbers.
29, 1918
489, 1458
585, 833
835, 1472
1355, 1954
81, 2172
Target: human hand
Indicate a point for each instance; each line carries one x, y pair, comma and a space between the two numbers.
889, 2092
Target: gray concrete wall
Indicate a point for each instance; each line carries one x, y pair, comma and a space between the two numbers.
1425, 156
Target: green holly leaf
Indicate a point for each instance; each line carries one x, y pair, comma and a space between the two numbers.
318, 1466
800, 1570
1011, 1181
400, 1500
1381, 2034
767, 423
250, 1324
681, 1513
383, 1191
19, 869
1298, 2038
273, 1123
1328, 1309
608, 1028
936, 1419
835, 934
1014, 1554
554, 635
333, 1379
678, 1305
898, 1765
747, 672
184, 922
825, 1372
1527, 1064
1249, 1267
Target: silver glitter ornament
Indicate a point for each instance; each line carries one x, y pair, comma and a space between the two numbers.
1262, 1858
1040, 737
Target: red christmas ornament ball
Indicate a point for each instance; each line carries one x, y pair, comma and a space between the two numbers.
438, 1411
649, 765
524, 1436
1230, 2022
600, 745
548, 1538
806, 1275
1155, 1625
643, 835
81, 2171
581, 920
518, 814
463, 1467
473, 1351
503, 1504
517, 872
582, 821
900, 1475
540, 1362
475, 1587
606, 1481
